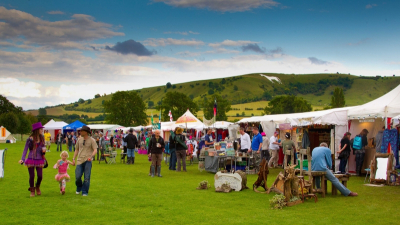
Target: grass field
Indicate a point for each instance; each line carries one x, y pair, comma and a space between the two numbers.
125, 194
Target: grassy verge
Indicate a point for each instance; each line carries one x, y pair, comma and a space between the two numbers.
122, 194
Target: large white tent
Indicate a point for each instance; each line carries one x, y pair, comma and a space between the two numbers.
103, 127
387, 105
6, 135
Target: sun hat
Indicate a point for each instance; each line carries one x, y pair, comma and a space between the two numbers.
85, 128
179, 130
37, 126
263, 134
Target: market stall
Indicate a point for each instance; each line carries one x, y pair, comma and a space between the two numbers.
54, 128
103, 127
307, 129
373, 116
74, 126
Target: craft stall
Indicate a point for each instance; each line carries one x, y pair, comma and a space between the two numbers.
378, 117
307, 129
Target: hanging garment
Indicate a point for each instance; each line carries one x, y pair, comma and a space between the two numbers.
390, 137
305, 142
378, 141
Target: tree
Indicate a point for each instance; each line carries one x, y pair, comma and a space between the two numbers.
150, 104
89, 101
235, 88
43, 119
223, 81
287, 104
81, 101
169, 85
173, 86
338, 100
25, 125
191, 96
266, 96
97, 96
32, 119
126, 108
178, 103
10, 121
42, 112
211, 91
223, 106
7, 106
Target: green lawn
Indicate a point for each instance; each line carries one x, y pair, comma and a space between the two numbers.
125, 194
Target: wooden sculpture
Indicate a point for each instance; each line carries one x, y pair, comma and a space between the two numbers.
262, 178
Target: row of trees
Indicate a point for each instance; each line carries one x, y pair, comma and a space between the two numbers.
128, 109
14, 119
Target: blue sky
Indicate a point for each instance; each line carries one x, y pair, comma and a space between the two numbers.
54, 52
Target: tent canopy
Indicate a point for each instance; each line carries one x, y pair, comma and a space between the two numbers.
188, 120
387, 105
103, 126
336, 116
221, 125
73, 126
52, 125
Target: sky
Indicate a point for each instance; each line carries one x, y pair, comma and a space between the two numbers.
55, 52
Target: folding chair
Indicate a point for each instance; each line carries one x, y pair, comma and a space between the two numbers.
112, 157
2, 160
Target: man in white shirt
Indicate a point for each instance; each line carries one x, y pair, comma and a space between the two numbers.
274, 148
244, 141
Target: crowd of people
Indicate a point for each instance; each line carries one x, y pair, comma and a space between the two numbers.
86, 146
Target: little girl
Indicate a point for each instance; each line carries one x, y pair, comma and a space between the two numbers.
62, 165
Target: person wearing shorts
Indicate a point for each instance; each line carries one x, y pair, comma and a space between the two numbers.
47, 140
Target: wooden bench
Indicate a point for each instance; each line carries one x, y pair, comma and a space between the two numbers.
343, 178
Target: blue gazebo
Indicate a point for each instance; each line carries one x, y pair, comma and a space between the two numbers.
73, 126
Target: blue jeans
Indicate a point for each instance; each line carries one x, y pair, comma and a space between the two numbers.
84, 168
172, 159
70, 148
131, 152
329, 175
342, 166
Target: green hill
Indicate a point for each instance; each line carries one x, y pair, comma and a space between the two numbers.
315, 88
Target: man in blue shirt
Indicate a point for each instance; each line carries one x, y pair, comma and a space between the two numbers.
322, 161
256, 147
209, 139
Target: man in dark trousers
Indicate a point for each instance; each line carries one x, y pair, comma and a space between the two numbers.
131, 143
156, 147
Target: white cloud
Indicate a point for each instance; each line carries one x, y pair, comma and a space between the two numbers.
15, 88
58, 34
231, 43
57, 12
222, 5
181, 32
170, 41
370, 6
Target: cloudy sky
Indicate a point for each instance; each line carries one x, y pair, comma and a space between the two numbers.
54, 52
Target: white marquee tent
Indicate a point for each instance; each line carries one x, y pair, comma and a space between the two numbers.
54, 128
6, 135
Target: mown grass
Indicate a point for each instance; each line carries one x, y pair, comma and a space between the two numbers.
123, 194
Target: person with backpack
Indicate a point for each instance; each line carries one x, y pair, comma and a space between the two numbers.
359, 143
172, 151
180, 149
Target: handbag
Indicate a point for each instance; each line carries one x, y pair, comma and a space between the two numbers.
46, 164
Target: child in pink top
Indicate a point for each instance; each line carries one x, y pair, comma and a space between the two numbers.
62, 165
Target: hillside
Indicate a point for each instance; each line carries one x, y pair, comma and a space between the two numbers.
315, 88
